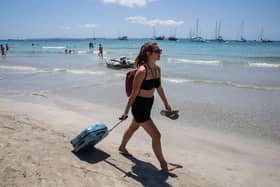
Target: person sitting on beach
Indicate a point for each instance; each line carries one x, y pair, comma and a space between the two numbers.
146, 81
100, 49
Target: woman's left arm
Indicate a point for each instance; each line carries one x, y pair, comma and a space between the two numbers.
162, 95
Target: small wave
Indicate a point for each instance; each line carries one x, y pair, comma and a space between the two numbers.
80, 52
225, 83
85, 72
270, 58
59, 70
40, 94
28, 69
37, 52
19, 68
53, 47
188, 61
267, 88
174, 80
83, 52
264, 65
73, 87
76, 71
24, 70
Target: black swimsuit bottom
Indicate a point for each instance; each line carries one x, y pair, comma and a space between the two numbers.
141, 108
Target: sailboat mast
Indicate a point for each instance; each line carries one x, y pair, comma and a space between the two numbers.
242, 28
154, 32
197, 24
262, 30
219, 29
216, 30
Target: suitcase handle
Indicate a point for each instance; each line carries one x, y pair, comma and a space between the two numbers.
119, 122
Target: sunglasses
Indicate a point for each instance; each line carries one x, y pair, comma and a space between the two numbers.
158, 50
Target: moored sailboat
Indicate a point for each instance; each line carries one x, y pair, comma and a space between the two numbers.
261, 37
242, 39
219, 38
197, 38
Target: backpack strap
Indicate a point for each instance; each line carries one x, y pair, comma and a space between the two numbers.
148, 67
157, 67
146, 72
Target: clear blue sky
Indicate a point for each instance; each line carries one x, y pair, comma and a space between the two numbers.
137, 18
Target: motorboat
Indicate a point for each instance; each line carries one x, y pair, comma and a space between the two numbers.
159, 37
172, 38
122, 62
122, 38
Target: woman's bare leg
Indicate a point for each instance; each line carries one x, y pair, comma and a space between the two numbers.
127, 135
152, 130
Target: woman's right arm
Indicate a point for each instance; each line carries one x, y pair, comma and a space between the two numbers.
138, 79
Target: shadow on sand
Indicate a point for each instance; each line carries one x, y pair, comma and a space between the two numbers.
143, 172
92, 155
147, 174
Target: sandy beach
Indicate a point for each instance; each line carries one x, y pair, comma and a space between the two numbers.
64, 66
35, 151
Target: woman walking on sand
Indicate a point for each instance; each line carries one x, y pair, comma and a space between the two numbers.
146, 81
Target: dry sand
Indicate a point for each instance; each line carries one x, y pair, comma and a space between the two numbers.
35, 151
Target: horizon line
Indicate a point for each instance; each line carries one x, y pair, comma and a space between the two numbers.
114, 38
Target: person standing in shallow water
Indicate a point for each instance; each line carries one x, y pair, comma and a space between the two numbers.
3, 52
146, 81
100, 51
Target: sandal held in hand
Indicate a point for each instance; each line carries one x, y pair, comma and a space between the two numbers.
173, 114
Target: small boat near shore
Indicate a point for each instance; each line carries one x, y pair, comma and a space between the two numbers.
122, 62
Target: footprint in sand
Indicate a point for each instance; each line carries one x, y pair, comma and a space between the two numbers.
147, 154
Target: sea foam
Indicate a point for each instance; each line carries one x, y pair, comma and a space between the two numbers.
264, 65
53, 47
221, 82
189, 61
19, 68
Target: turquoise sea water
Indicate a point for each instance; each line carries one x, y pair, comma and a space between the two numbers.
231, 86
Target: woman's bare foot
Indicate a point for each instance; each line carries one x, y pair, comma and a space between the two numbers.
168, 167
124, 152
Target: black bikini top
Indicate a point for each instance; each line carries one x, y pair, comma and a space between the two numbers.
150, 83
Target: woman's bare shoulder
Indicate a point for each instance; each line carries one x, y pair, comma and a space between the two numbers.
141, 71
158, 66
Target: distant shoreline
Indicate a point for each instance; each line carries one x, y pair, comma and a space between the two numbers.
109, 38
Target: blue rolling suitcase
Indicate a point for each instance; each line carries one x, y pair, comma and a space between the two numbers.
90, 136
